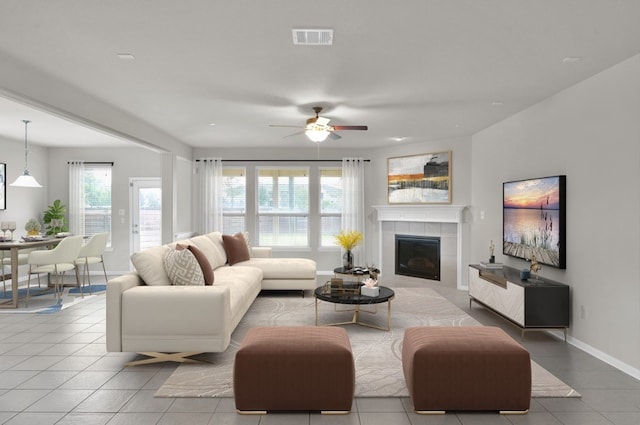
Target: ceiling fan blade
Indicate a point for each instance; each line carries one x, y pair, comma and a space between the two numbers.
334, 136
350, 127
297, 133
287, 126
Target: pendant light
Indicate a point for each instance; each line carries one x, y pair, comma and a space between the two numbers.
26, 179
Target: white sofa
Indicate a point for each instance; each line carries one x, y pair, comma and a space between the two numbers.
147, 314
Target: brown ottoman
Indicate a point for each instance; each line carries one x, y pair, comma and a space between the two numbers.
294, 368
466, 368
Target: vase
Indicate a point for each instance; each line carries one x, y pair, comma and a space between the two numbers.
347, 260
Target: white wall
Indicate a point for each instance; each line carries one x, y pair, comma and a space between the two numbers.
183, 204
591, 133
128, 162
460, 186
49, 167
24, 203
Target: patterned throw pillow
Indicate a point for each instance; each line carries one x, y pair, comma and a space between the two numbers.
182, 267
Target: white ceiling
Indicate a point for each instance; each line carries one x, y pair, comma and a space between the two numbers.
418, 69
47, 129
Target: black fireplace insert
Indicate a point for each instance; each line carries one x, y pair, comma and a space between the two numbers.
418, 256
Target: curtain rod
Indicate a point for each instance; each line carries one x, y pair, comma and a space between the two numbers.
283, 160
93, 163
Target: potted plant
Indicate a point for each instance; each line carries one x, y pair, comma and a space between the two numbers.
348, 241
32, 227
54, 218
370, 288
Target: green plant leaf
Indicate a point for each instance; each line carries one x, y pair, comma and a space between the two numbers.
55, 211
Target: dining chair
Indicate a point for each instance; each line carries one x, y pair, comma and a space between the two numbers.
56, 261
5, 260
91, 253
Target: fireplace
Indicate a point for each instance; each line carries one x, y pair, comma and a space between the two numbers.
443, 221
418, 256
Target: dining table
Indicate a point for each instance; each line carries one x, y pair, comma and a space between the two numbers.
15, 246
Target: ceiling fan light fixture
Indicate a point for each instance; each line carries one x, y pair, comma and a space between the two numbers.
317, 135
26, 179
318, 129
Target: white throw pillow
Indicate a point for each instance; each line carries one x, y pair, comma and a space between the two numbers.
214, 253
248, 241
148, 264
183, 268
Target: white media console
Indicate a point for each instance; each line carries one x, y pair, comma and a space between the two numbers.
531, 306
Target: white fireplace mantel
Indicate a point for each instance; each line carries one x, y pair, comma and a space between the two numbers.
425, 214
421, 213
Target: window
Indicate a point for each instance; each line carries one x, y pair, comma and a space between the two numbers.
97, 199
330, 205
283, 207
234, 207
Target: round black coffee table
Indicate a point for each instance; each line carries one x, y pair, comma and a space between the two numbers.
349, 294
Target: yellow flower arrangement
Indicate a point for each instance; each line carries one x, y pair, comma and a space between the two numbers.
348, 240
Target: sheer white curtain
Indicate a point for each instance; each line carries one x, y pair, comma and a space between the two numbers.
353, 201
76, 197
210, 195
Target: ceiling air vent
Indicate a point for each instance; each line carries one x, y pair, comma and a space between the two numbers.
312, 37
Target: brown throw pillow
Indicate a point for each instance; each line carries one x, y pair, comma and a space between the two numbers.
203, 262
236, 248
207, 271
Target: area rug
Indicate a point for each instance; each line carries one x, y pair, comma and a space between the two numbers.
42, 300
378, 354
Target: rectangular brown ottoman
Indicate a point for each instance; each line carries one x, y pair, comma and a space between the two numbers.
294, 368
466, 368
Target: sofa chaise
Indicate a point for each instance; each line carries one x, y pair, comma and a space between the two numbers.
148, 314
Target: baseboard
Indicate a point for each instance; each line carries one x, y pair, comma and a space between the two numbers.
618, 364
610, 360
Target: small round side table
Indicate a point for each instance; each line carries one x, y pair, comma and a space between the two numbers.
354, 272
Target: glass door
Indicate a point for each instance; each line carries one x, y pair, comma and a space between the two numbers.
146, 212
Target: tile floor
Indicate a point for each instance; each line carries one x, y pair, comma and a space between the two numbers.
54, 370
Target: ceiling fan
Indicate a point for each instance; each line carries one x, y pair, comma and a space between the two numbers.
318, 128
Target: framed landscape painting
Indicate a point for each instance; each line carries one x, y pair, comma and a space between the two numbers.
420, 179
